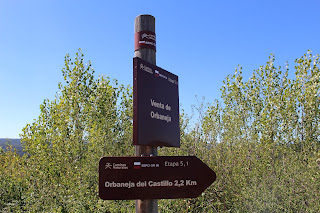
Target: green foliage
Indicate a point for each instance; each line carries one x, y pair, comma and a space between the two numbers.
87, 120
262, 140
265, 138
12, 180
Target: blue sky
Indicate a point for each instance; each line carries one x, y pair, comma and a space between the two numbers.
200, 41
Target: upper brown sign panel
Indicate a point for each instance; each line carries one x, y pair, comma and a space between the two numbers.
155, 106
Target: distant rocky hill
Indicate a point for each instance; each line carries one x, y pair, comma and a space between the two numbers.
14, 142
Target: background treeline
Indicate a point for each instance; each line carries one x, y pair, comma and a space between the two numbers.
14, 143
262, 139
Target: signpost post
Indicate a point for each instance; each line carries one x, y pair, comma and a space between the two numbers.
145, 23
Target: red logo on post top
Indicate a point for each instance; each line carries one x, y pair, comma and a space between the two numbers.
144, 40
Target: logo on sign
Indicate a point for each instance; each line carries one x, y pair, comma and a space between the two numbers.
148, 36
146, 68
116, 166
147, 43
156, 73
137, 165
108, 166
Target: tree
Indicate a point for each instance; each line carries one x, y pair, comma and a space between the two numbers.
265, 139
87, 120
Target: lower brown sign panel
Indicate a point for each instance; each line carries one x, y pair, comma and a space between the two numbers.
161, 177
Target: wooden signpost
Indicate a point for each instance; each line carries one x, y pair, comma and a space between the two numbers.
145, 23
148, 177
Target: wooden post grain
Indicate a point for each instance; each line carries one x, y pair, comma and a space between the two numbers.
145, 23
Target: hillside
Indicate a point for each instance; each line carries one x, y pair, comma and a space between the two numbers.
16, 144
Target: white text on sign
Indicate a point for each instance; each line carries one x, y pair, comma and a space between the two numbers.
150, 183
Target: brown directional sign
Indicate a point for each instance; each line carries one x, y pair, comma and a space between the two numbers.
161, 177
155, 106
